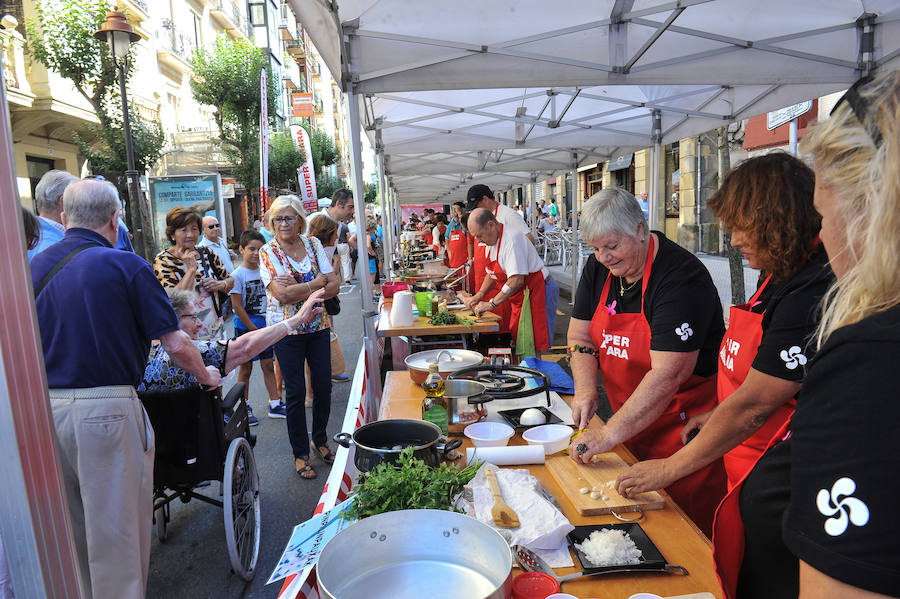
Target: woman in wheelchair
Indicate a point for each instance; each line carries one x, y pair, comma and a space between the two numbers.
161, 374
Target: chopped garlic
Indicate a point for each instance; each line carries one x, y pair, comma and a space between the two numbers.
585, 490
595, 494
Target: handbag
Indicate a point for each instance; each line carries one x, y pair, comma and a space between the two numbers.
332, 305
220, 298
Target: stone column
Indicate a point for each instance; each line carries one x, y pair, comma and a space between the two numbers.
698, 229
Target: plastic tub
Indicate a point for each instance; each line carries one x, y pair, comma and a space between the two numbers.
554, 437
423, 302
489, 434
534, 585
391, 287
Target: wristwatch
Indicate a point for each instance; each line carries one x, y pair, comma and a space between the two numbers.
493, 305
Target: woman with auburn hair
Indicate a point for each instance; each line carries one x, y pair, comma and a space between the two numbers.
842, 520
767, 204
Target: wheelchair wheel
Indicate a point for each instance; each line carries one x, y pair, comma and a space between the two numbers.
241, 506
162, 523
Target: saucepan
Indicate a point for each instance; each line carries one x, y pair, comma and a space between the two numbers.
448, 361
411, 554
383, 440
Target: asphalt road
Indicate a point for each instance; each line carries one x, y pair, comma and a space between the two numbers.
193, 562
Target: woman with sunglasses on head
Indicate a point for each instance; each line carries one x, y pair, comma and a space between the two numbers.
842, 521
292, 268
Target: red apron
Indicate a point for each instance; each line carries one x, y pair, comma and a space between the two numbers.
728, 528
458, 248
623, 342
537, 299
426, 235
739, 347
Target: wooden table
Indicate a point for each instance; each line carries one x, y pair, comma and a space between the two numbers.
670, 529
487, 323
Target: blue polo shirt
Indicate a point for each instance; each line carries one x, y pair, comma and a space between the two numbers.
99, 313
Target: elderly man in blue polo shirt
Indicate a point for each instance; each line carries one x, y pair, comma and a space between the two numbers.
98, 309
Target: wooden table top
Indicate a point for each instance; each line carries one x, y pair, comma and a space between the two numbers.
488, 323
670, 529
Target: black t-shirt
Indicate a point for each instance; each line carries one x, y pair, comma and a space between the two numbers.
769, 570
843, 517
791, 315
679, 292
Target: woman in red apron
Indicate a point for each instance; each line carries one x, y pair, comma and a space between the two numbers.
761, 358
647, 314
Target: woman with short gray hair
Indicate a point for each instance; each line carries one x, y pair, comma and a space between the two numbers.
647, 316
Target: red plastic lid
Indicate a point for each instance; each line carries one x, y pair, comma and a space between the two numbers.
534, 585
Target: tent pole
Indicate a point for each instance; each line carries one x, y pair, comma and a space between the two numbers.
373, 386
386, 217
576, 249
35, 527
653, 201
532, 212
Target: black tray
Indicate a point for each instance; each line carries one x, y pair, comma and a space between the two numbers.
651, 558
513, 416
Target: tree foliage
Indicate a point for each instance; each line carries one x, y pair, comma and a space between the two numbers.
326, 185
228, 80
284, 160
61, 38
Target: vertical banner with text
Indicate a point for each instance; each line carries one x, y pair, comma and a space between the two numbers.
263, 143
306, 177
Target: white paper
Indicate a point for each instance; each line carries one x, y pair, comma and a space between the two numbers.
508, 455
307, 541
543, 528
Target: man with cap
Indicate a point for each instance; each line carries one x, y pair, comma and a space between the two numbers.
512, 264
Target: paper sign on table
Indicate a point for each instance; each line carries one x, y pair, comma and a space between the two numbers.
308, 539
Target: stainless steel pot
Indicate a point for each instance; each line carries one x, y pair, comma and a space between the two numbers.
448, 361
411, 554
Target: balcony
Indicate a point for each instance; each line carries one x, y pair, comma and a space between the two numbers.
174, 48
230, 17
12, 52
295, 49
288, 24
136, 10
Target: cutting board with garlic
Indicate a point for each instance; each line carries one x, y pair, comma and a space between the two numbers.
591, 487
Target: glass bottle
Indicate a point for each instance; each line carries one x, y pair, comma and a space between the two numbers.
434, 406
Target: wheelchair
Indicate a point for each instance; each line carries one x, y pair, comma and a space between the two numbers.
194, 445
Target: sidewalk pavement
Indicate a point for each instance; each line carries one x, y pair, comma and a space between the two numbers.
717, 266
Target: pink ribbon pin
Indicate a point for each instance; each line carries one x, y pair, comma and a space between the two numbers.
611, 309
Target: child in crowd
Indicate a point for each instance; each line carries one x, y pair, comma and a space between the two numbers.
248, 298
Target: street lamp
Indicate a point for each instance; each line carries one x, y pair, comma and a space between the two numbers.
120, 35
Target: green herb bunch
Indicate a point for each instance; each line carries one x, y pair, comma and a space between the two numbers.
445, 318
408, 484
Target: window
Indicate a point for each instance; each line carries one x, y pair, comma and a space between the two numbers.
198, 38
257, 14
37, 168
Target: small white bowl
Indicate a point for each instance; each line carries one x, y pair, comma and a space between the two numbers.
489, 434
554, 437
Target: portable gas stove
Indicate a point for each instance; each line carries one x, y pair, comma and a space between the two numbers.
500, 383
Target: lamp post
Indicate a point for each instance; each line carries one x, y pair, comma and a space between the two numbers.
120, 35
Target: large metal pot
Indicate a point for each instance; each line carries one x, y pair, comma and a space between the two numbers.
383, 441
411, 554
448, 361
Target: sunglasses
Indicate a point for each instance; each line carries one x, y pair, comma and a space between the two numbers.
861, 107
214, 227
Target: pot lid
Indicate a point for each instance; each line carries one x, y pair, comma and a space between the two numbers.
448, 360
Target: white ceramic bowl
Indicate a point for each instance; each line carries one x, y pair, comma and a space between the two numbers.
489, 434
554, 437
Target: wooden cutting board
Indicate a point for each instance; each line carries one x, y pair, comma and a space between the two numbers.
572, 477
694, 596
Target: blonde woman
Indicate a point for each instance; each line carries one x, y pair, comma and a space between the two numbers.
841, 521
292, 268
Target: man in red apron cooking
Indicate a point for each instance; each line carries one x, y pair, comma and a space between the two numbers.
513, 265
648, 315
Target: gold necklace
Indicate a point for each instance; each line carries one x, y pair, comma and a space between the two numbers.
623, 287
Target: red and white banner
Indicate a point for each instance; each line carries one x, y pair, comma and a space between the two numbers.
263, 142
306, 175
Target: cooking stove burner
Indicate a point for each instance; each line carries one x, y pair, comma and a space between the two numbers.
506, 382
500, 381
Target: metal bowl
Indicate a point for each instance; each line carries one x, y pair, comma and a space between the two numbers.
448, 361
411, 554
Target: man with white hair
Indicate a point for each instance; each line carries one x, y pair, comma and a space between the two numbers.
212, 238
48, 197
98, 309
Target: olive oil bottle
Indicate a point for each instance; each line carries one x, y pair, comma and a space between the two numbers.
434, 406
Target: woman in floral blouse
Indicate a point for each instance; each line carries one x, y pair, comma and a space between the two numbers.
187, 266
293, 267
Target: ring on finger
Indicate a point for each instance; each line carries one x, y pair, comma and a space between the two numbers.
581, 448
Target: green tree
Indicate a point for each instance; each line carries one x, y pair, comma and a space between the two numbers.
326, 185
228, 80
284, 160
61, 38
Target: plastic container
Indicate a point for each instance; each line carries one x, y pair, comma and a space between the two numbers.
423, 302
554, 437
489, 434
391, 287
534, 585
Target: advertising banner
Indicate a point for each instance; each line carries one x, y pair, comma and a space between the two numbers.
302, 105
186, 190
263, 143
306, 177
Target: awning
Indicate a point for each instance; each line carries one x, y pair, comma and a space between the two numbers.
622, 161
